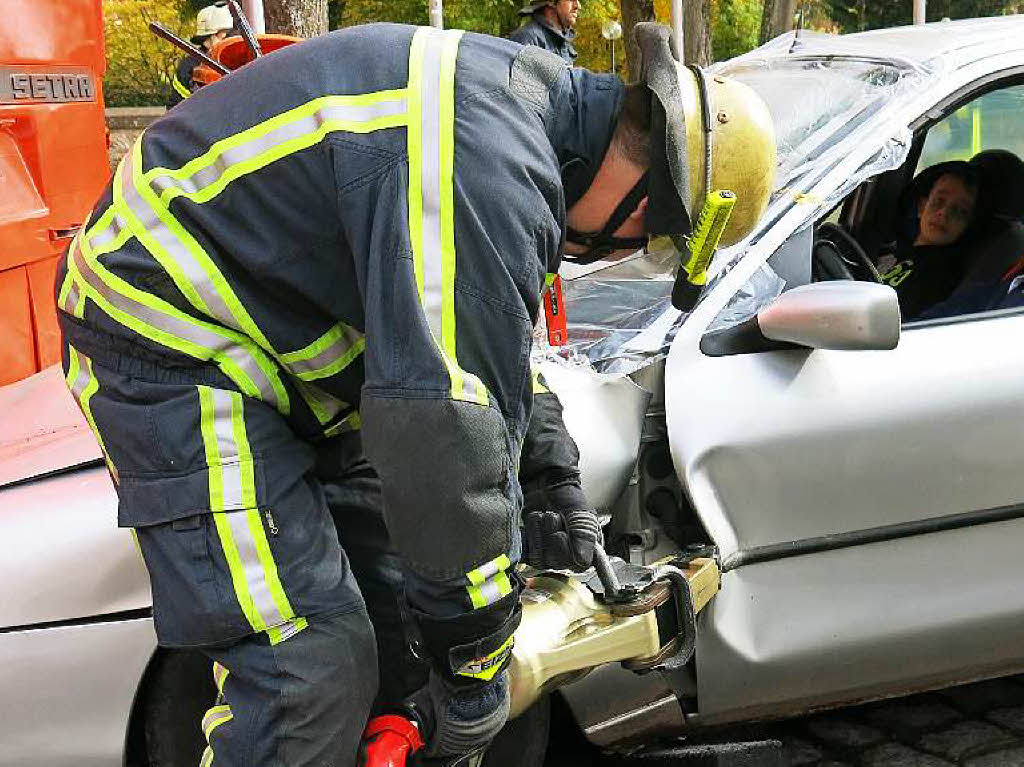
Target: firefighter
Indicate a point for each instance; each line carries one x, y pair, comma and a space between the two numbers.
550, 26
213, 23
309, 291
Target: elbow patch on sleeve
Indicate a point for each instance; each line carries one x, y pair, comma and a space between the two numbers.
448, 481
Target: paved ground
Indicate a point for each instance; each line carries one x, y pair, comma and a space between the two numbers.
975, 725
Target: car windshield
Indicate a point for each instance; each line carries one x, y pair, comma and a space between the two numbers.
621, 317
836, 96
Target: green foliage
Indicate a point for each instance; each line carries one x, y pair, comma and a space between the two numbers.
139, 64
735, 25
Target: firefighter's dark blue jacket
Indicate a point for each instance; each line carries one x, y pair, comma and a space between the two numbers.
537, 31
352, 232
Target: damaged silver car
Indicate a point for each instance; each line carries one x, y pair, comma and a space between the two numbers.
844, 489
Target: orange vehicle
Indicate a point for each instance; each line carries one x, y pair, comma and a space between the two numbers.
53, 163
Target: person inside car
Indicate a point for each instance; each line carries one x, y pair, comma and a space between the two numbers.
926, 266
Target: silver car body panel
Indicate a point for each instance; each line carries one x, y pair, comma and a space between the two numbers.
785, 446
837, 627
605, 415
68, 692
65, 552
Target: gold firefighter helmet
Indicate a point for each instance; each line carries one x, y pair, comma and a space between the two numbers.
711, 123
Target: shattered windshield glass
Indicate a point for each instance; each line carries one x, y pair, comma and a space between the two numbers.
620, 317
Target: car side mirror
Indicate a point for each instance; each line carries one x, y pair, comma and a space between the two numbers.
823, 315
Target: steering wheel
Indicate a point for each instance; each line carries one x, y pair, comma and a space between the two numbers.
838, 256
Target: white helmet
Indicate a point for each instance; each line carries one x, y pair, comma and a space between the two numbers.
213, 19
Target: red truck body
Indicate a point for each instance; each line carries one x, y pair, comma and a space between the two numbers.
53, 163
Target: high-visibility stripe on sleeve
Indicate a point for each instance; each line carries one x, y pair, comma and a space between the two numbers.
214, 718
489, 582
159, 321
179, 87
207, 758
431, 149
232, 486
326, 356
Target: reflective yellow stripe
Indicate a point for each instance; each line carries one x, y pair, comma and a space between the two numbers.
206, 176
207, 759
326, 356
220, 676
538, 386
431, 151
83, 385
214, 718
487, 666
180, 89
253, 571
489, 582
159, 321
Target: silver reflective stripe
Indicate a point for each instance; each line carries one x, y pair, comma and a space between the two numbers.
241, 549
73, 306
168, 241
327, 355
167, 323
249, 151
430, 176
255, 576
436, 85
490, 569
227, 449
112, 231
491, 591
83, 376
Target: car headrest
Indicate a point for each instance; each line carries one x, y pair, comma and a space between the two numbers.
1002, 173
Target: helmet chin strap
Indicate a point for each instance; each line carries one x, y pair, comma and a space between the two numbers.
600, 244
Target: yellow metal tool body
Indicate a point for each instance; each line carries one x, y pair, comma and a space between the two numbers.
567, 630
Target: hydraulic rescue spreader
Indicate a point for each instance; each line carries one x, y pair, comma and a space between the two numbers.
641, 616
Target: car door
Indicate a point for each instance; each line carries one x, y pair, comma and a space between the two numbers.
868, 507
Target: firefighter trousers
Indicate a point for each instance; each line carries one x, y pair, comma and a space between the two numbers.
244, 529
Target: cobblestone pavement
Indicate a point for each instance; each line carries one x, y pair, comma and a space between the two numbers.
974, 725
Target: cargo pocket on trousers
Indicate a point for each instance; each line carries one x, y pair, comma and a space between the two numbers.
190, 605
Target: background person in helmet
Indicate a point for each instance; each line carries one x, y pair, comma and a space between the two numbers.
213, 23
299, 320
550, 26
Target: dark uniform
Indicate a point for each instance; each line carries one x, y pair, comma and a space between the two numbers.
181, 82
537, 31
339, 247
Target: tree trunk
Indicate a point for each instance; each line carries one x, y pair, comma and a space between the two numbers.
697, 32
776, 18
302, 18
633, 12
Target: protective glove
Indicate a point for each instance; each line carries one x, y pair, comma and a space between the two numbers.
561, 540
466, 718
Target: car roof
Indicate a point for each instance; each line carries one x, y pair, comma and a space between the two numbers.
948, 44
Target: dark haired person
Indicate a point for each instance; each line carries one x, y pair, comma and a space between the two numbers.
926, 268
550, 26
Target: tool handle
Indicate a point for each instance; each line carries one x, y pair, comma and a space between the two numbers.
163, 32
245, 29
388, 741
700, 249
605, 573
